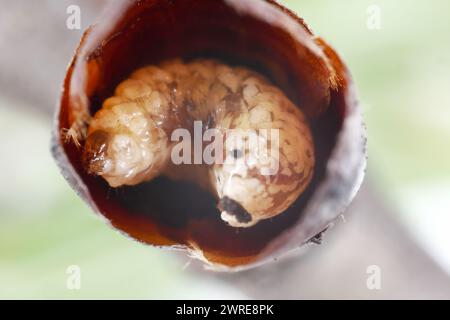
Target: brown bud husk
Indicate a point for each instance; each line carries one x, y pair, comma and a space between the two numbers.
259, 34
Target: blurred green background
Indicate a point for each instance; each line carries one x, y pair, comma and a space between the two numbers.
402, 72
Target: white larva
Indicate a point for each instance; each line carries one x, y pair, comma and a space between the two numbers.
128, 139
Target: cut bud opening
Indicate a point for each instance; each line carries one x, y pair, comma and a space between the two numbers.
124, 95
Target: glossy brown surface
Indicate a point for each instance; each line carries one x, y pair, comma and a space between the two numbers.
257, 34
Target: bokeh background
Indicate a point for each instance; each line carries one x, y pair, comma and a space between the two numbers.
399, 220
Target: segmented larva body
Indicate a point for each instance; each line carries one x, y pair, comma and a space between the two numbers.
129, 138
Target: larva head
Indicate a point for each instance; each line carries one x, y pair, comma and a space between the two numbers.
124, 146
95, 154
121, 159
115, 157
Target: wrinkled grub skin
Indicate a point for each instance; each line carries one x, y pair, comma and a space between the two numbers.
255, 33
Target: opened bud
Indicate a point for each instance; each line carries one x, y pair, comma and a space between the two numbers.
229, 128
